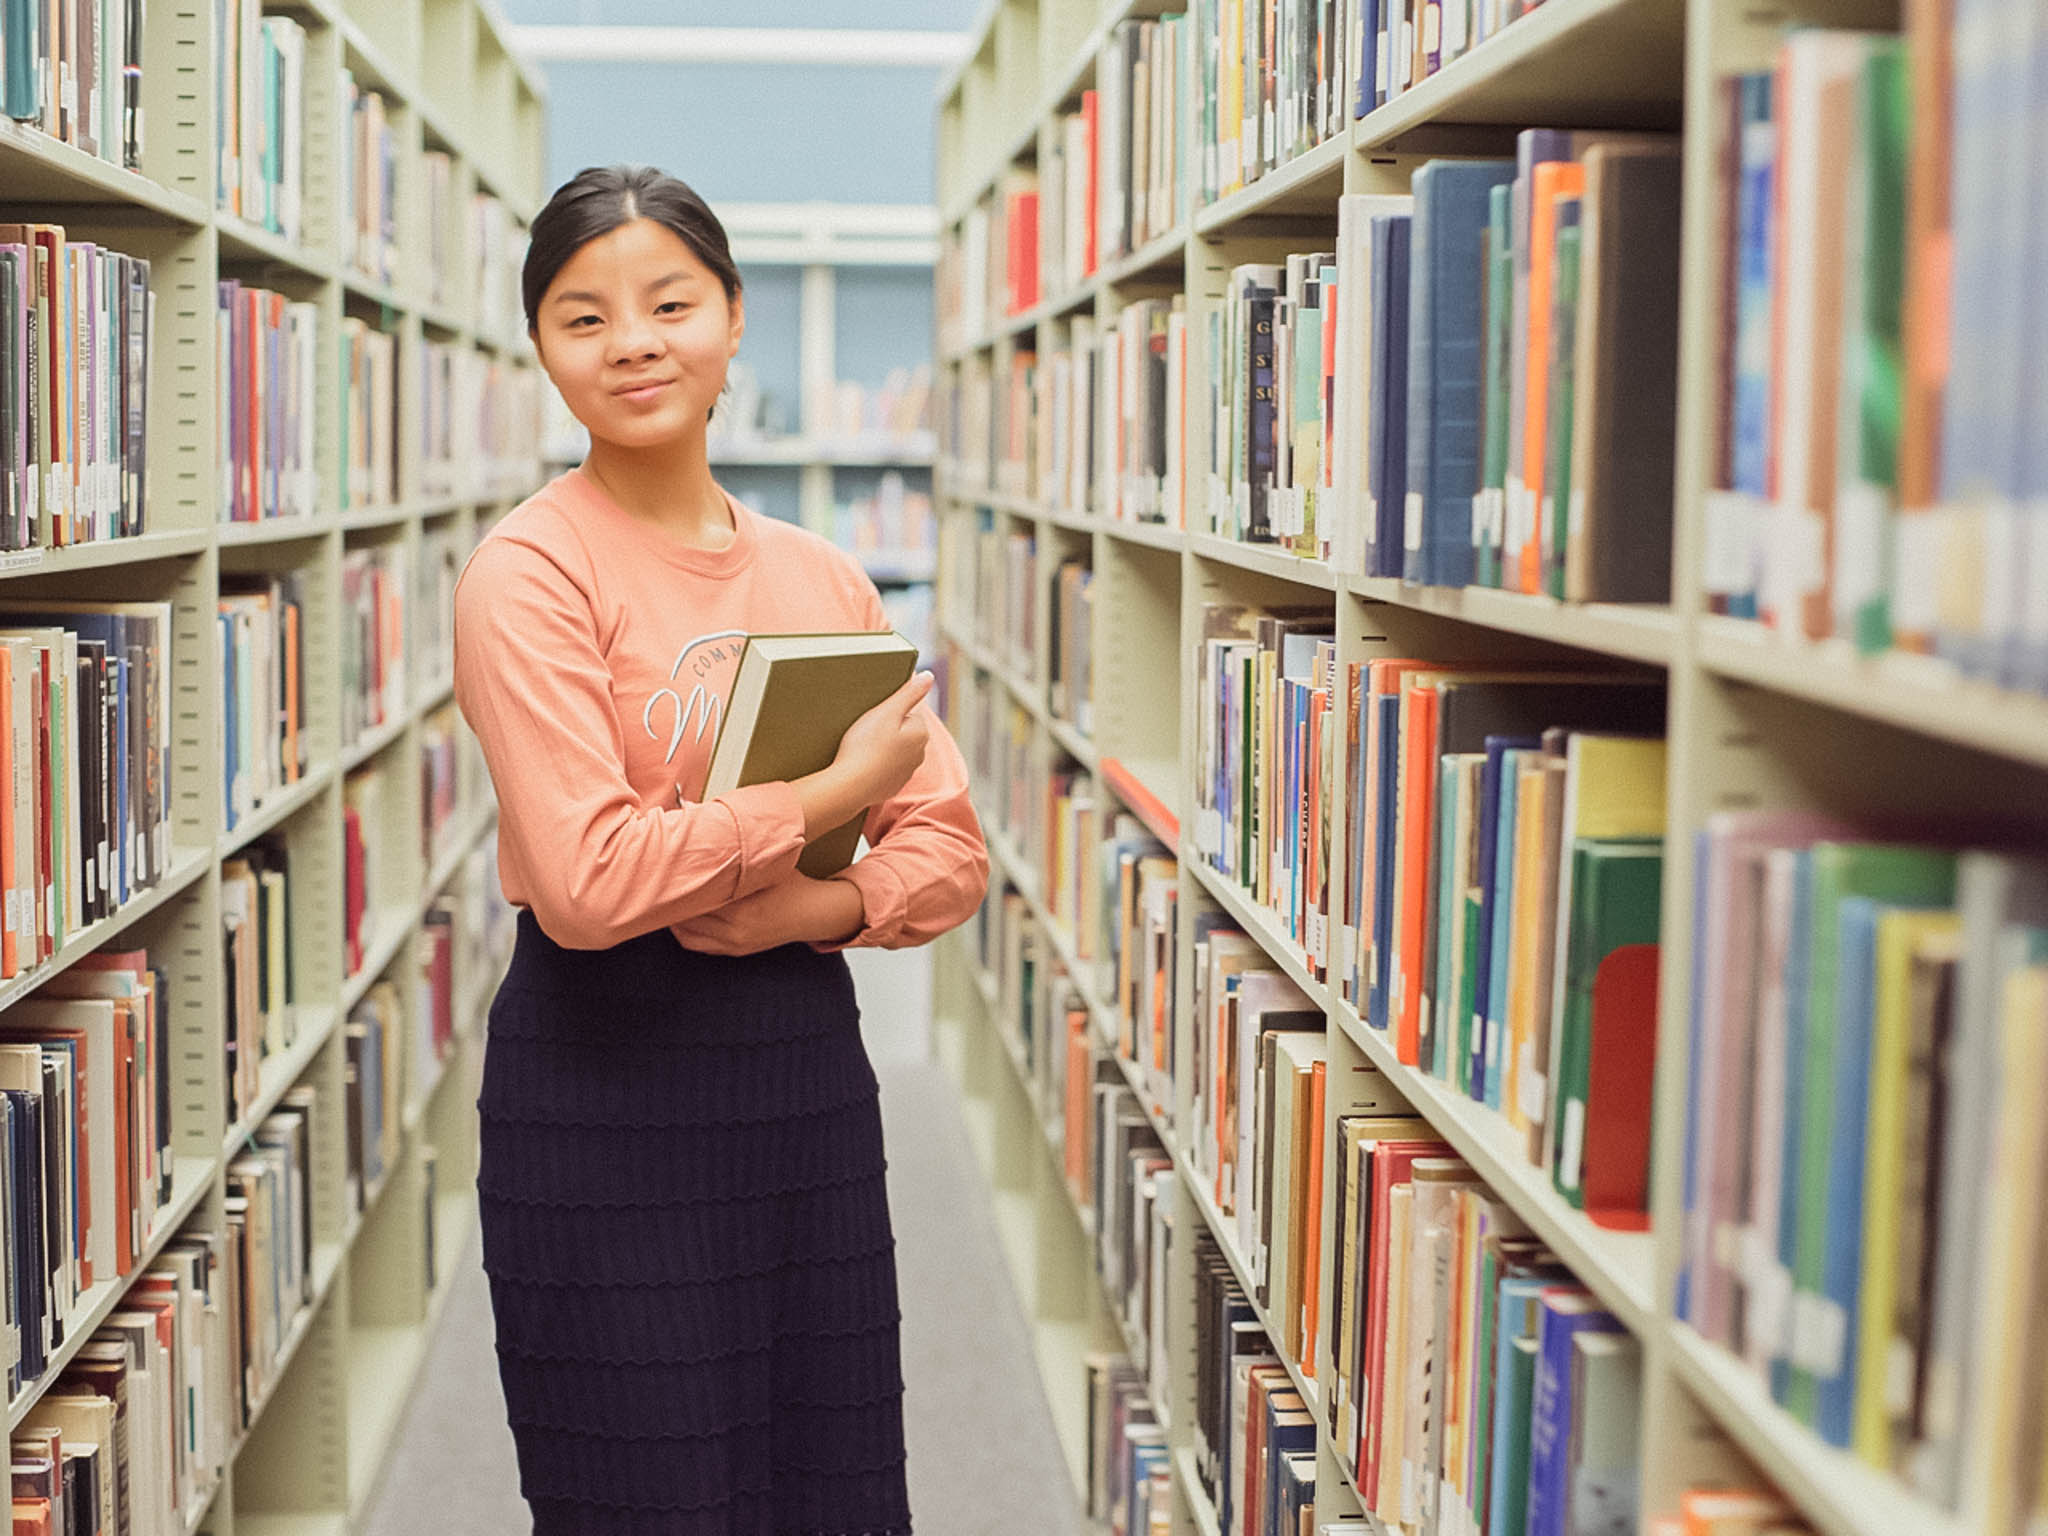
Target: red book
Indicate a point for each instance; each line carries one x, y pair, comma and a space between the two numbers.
45, 919
10, 949
352, 888
1091, 115
1418, 818
1618, 1089
1023, 252
1312, 1241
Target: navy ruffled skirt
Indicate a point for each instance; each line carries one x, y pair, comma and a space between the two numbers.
686, 1230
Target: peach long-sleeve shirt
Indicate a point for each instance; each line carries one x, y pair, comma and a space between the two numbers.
593, 658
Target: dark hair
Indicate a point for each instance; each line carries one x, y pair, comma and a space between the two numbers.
599, 199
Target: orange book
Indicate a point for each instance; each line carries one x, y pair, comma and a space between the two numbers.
1312, 1243
10, 944
1411, 860
31, 1517
1554, 179
1539, 815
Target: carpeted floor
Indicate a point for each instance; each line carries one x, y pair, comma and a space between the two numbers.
983, 1457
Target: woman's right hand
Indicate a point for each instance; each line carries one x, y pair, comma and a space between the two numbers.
885, 746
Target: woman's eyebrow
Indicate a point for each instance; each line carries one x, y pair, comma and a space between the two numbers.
576, 296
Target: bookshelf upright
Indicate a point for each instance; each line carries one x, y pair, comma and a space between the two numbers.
1755, 719
465, 118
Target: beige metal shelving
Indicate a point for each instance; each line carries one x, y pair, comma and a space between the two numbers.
309, 1463
1753, 720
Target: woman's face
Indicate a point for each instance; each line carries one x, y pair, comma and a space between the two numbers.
636, 333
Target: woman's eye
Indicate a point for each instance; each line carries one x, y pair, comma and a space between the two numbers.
582, 320
672, 307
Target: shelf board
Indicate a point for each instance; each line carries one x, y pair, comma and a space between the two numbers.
1577, 63
1308, 185
1916, 693
283, 804
1154, 535
1645, 632
191, 1178
1167, 251
272, 530
279, 1072
326, 1264
1617, 1267
1200, 1507
245, 240
39, 169
1260, 924
187, 865
381, 515
852, 453
368, 286
1268, 559
390, 927
1226, 1238
1059, 517
95, 553
373, 741
1839, 1493
1071, 741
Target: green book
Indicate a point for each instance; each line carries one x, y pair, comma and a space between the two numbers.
1557, 452
1616, 899
1873, 365
1898, 875
1493, 468
1518, 1399
1468, 982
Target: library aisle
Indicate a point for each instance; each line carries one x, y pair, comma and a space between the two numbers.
984, 1460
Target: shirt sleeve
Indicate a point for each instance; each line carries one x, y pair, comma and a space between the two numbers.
926, 868
598, 867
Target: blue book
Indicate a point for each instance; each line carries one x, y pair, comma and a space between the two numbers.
1290, 1427
1501, 901
1514, 1372
1445, 358
1261, 417
1842, 1260
1363, 97
1386, 465
1749, 423
1566, 1314
23, 92
1490, 854
1383, 888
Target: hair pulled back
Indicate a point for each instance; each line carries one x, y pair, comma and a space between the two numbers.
599, 199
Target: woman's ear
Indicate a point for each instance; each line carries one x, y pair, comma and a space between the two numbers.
737, 318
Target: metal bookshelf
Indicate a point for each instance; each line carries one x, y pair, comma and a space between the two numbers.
312, 1457
1753, 719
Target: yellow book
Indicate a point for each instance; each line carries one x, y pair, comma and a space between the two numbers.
1899, 933
1534, 910
2009, 1321
1617, 786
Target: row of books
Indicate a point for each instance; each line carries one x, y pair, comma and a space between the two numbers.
505, 457
1128, 1487
258, 1017
1265, 745
85, 763
1864, 1149
440, 752
912, 611
435, 994
1069, 196
266, 400
374, 1079
497, 253
440, 257
1476, 1385
260, 117
368, 176
85, 1097
376, 581
478, 421
262, 647
1070, 646
892, 520
134, 1435
995, 735
1254, 1435
76, 322
1880, 412
896, 410
369, 415
1499, 921
1001, 584
365, 883
268, 1222
74, 71
430, 624
1272, 83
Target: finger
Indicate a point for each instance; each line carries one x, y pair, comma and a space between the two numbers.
914, 692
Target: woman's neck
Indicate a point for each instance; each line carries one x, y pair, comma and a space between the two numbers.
669, 486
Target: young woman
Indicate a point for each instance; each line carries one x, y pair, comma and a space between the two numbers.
684, 1218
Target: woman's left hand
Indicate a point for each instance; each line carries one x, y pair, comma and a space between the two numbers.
798, 910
